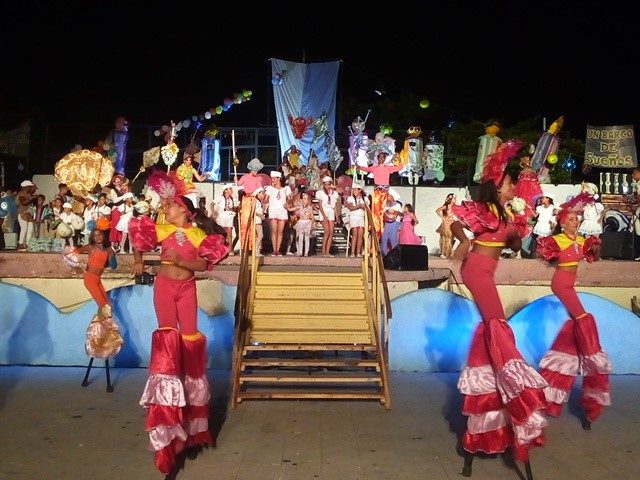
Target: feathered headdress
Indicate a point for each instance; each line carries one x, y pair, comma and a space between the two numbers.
166, 185
495, 164
574, 205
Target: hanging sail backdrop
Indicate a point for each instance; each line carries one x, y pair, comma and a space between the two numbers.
302, 94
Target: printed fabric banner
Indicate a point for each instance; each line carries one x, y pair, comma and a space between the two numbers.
610, 147
304, 97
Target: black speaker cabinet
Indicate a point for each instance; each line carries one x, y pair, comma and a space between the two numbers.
407, 257
617, 245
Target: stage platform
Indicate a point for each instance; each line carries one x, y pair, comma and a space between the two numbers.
511, 271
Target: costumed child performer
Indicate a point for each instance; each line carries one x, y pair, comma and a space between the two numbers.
577, 347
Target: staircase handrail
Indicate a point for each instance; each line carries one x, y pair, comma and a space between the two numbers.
373, 270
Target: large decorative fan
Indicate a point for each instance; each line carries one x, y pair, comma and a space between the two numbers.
82, 170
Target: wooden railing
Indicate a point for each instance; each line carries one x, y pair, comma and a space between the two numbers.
376, 282
247, 273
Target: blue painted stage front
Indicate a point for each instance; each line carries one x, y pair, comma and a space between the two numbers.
430, 330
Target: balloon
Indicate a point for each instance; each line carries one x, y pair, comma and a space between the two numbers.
335, 158
207, 115
552, 159
8, 206
357, 126
278, 79
218, 109
386, 128
320, 127
424, 103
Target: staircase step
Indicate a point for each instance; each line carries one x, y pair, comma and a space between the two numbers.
309, 347
310, 394
296, 337
311, 279
328, 307
291, 291
278, 321
309, 362
316, 377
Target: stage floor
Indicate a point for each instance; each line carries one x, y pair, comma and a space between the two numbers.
59, 430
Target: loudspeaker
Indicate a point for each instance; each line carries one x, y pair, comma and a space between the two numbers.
617, 245
407, 257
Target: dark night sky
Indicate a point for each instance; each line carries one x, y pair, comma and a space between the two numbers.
88, 62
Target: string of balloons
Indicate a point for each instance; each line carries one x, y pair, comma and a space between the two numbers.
238, 98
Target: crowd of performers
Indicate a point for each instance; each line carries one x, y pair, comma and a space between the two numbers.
506, 400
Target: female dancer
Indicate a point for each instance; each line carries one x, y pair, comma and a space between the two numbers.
356, 204
225, 211
502, 395
118, 187
328, 200
444, 230
593, 212
304, 225
176, 394
278, 213
409, 221
545, 216
577, 347
528, 186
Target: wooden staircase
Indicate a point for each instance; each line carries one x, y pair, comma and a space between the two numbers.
311, 336
306, 329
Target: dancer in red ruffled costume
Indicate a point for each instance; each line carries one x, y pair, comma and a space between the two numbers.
177, 394
577, 347
503, 396
528, 186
